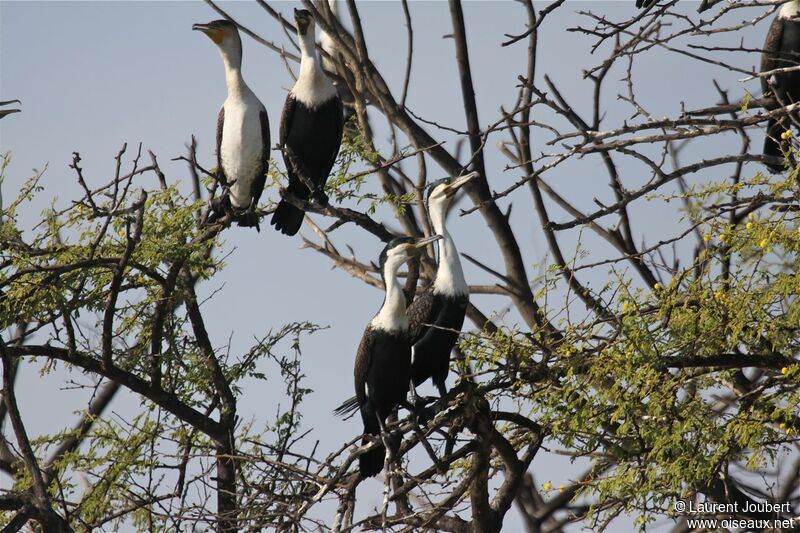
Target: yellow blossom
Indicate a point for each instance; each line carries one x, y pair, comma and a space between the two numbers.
625, 307
121, 233
657, 287
719, 295
782, 425
548, 485
561, 488
764, 243
751, 216
786, 135
749, 225
706, 237
784, 370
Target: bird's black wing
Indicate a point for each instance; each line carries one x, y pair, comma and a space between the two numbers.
289, 157
421, 311
220, 122
769, 56
360, 371
339, 129
363, 361
645, 3
257, 187
286, 119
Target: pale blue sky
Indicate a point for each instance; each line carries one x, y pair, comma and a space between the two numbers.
94, 75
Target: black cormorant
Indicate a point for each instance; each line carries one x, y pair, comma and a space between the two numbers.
383, 361
437, 314
311, 130
242, 131
781, 50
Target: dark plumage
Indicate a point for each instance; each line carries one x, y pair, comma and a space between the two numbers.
310, 139
382, 368
432, 344
781, 50
382, 360
310, 131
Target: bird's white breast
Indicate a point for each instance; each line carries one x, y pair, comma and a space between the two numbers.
241, 149
392, 322
313, 88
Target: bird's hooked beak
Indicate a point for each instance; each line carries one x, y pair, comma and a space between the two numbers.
420, 244
4, 112
459, 182
216, 34
302, 18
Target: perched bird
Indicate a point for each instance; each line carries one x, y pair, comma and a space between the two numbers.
242, 132
311, 130
5, 112
704, 4
383, 361
437, 314
781, 50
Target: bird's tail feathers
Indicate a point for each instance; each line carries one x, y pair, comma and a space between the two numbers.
371, 463
349, 406
287, 218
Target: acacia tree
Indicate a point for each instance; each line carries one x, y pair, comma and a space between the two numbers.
676, 379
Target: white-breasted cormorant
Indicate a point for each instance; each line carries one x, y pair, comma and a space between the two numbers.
781, 50
383, 361
242, 131
437, 314
311, 130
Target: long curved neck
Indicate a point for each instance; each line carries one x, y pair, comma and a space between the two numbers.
392, 316
449, 276
313, 87
309, 62
232, 61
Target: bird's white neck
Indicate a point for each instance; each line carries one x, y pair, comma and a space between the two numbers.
392, 316
327, 43
449, 276
232, 60
312, 87
790, 9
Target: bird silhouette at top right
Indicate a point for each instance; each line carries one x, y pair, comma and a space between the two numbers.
781, 50
704, 4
